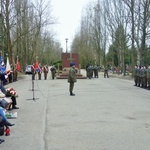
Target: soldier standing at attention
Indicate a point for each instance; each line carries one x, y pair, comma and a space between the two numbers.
96, 71
106, 72
87, 73
72, 78
40, 71
45, 69
53, 71
148, 77
138, 76
135, 75
142, 75
144, 78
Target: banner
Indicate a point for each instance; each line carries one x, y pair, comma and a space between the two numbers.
36, 66
8, 68
18, 68
2, 66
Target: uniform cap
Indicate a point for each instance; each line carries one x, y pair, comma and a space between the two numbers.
72, 64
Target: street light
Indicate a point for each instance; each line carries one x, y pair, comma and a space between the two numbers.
66, 44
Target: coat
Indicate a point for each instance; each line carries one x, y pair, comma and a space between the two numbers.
72, 77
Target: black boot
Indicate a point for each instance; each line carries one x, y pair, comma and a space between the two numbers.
7, 123
71, 94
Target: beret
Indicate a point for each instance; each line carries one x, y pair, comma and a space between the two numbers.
72, 64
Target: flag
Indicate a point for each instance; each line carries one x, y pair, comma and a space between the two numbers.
2, 66
8, 68
18, 68
36, 66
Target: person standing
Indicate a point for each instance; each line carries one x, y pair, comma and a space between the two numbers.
53, 72
40, 71
106, 72
144, 77
87, 70
135, 75
148, 77
140, 76
96, 71
45, 70
72, 78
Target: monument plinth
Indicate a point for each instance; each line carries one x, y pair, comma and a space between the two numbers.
67, 58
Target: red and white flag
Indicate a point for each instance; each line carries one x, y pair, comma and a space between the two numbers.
36, 66
8, 68
18, 68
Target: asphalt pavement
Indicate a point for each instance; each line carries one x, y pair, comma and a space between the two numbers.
105, 114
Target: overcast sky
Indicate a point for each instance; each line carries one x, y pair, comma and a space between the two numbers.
68, 13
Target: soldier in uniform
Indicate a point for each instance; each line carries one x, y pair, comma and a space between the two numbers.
40, 71
90, 71
135, 75
144, 78
72, 78
45, 69
96, 68
148, 77
53, 72
106, 72
138, 75
87, 69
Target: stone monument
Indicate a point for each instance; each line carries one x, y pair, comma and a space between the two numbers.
67, 58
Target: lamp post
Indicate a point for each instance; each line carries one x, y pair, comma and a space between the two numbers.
66, 45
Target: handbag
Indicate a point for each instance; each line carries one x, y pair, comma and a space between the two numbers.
5, 102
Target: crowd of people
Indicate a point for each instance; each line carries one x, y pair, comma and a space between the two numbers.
7, 103
92, 71
8, 74
142, 76
39, 70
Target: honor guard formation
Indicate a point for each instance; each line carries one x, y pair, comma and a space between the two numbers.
142, 76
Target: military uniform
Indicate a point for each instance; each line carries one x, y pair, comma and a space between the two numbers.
53, 72
72, 78
95, 69
148, 77
142, 77
87, 70
136, 76
45, 70
90, 72
40, 72
106, 72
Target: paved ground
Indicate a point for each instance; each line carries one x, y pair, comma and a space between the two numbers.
105, 114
